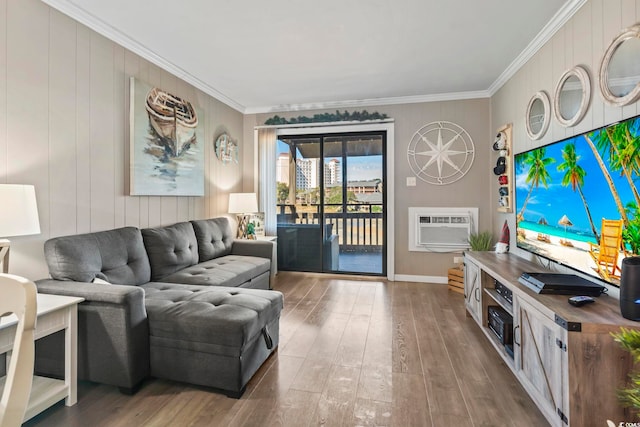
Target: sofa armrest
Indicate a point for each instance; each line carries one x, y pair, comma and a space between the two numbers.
258, 248
91, 292
113, 334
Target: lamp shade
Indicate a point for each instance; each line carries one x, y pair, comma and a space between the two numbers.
19, 212
243, 203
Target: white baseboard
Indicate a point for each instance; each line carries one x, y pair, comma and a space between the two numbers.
421, 279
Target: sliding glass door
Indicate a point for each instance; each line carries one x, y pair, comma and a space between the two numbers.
299, 230
331, 201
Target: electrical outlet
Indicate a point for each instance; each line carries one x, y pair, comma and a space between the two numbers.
411, 181
458, 259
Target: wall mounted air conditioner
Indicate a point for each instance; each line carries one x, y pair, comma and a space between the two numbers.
441, 229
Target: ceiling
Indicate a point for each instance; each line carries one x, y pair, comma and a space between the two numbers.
283, 55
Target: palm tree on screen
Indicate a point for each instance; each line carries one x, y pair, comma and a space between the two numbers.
628, 155
590, 137
537, 163
574, 175
623, 151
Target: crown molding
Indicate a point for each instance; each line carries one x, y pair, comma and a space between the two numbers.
82, 16
559, 19
372, 102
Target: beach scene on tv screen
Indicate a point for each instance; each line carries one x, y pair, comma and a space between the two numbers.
577, 200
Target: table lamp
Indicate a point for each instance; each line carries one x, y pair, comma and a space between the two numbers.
243, 204
18, 216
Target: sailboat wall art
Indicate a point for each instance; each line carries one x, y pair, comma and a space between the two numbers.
166, 143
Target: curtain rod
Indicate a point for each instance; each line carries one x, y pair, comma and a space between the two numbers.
319, 124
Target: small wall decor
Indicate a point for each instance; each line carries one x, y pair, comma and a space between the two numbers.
538, 115
440, 153
226, 149
356, 116
572, 96
504, 168
620, 68
165, 142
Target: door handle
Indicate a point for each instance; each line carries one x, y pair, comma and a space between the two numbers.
515, 334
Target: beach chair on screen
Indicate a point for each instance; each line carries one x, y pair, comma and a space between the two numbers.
544, 238
606, 253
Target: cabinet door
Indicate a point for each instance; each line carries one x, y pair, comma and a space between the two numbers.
472, 289
540, 347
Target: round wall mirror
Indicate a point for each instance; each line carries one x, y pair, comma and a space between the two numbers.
538, 113
620, 68
572, 96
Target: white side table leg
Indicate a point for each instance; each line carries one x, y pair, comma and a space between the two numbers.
71, 355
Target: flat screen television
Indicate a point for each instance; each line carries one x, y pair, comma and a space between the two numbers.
576, 200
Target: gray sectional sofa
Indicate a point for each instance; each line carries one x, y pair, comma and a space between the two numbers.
186, 302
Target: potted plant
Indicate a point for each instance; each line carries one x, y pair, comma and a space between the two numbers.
629, 339
481, 241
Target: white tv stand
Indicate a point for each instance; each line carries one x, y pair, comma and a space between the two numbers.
564, 356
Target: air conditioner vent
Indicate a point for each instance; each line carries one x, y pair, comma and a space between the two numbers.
435, 229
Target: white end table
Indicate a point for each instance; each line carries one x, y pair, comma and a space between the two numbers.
55, 313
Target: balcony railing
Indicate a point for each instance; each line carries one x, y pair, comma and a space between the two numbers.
359, 229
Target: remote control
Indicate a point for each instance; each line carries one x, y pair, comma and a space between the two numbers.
581, 300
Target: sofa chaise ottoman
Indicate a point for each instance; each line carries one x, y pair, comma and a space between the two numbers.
211, 337
173, 302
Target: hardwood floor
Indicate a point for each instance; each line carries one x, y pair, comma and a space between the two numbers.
353, 351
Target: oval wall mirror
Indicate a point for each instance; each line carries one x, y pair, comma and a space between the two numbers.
538, 114
572, 96
620, 68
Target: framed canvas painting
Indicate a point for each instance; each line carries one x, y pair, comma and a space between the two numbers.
166, 144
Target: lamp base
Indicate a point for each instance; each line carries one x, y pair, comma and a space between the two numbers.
243, 224
5, 245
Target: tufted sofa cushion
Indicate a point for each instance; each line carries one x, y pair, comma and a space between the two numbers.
170, 248
215, 237
230, 270
220, 320
117, 256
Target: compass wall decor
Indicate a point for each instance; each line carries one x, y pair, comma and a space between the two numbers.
440, 153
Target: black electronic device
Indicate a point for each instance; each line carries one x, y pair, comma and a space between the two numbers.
630, 288
580, 300
501, 323
562, 284
503, 291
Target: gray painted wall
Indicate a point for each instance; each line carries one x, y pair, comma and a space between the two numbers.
64, 128
582, 41
472, 190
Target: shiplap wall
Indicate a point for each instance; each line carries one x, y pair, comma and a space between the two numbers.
581, 41
64, 95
